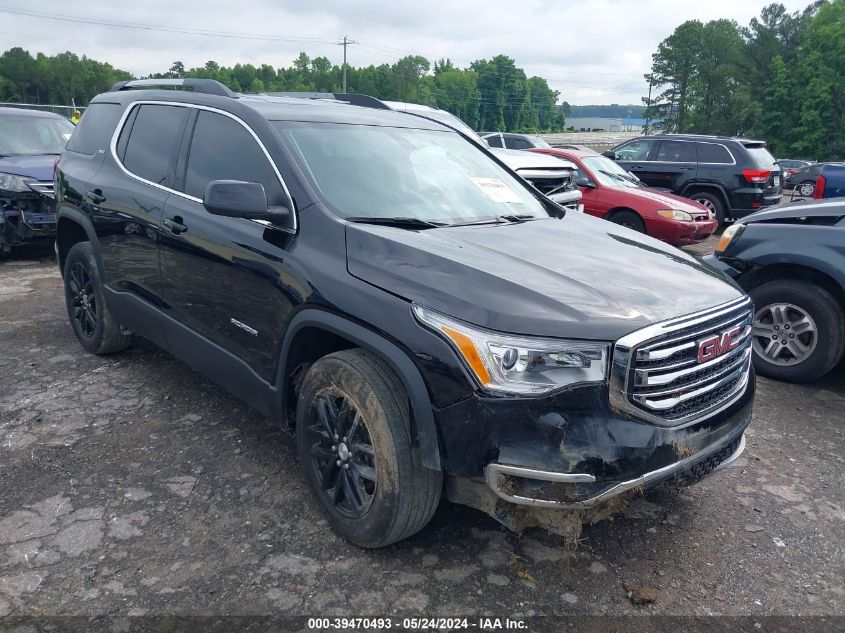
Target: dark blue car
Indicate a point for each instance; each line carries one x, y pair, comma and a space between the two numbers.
30, 143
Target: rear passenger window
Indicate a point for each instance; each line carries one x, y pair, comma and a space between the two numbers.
95, 128
517, 143
712, 153
153, 141
676, 152
494, 141
222, 149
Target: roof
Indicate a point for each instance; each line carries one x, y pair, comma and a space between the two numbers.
28, 112
712, 137
280, 108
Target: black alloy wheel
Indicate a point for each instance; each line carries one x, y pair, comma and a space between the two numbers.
82, 298
342, 455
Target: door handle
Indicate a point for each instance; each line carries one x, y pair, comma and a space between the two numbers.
95, 196
175, 225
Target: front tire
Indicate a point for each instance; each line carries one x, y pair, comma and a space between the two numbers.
89, 315
354, 443
629, 220
798, 332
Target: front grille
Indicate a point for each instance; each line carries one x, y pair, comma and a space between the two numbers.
45, 188
661, 377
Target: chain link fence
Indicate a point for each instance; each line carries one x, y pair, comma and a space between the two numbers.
64, 110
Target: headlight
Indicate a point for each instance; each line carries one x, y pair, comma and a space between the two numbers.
731, 233
516, 364
11, 182
675, 214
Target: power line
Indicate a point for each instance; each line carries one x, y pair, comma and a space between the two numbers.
161, 27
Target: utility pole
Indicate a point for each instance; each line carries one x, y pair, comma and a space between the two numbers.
346, 42
648, 105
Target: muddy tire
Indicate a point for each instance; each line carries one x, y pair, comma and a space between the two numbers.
353, 431
89, 315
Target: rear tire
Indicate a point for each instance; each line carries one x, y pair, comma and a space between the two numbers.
352, 409
628, 219
89, 315
712, 202
799, 330
807, 188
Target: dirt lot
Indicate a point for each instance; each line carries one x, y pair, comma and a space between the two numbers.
131, 485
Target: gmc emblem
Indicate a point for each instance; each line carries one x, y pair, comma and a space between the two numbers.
715, 346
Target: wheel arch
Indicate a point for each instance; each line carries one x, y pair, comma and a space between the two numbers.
313, 333
611, 212
701, 187
72, 227
796, 272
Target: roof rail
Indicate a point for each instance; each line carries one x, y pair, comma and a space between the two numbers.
204, 86
365, 101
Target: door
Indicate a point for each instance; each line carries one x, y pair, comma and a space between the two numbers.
224, 277
129, 194
636, 156
675, 165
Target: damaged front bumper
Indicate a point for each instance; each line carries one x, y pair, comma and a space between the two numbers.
504, 480
26, 216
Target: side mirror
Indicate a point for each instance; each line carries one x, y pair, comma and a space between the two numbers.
238, 199
585, 182
611, 154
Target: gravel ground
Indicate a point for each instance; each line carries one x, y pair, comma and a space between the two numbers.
131, 485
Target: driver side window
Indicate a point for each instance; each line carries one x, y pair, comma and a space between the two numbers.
222, 149
635, 150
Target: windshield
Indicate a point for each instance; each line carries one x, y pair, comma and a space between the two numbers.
609, 173
387, 172
33, 135
537, 141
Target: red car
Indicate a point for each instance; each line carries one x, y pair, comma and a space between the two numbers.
612, 193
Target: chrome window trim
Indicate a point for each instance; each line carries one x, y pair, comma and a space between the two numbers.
727, 149
621, 359
122, 122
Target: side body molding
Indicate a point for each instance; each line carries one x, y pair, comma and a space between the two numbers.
397, 359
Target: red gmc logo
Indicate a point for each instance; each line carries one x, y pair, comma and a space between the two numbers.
715, 346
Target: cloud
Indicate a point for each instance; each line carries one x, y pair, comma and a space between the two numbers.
592, 51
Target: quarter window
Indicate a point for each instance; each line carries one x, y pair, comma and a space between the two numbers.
153, 142
494, 141
713, 153
95, 128
222, 149
676, 152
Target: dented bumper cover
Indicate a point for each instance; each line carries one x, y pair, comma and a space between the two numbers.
574, 451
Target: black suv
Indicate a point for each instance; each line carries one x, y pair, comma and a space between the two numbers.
412, 308
731, 176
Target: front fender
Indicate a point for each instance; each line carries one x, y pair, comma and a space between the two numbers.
397, 360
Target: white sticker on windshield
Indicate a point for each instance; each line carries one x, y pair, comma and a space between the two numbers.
496, 190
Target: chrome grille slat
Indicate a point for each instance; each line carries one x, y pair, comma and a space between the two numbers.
668, 403
701, 332
45, 188
657, 373
737, 361
652, 377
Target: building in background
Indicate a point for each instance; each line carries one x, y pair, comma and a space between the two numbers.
604, 124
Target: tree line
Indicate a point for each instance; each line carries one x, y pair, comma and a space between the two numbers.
780, 79
491, 94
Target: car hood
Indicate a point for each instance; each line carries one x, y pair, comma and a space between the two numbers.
798, 210
577, 277
38, 166
666, 200
518, 159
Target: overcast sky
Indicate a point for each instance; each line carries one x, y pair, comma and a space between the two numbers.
592, 51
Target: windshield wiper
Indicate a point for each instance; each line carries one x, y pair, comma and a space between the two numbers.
402, 222
518, 217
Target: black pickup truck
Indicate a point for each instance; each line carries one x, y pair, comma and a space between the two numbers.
411, 308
